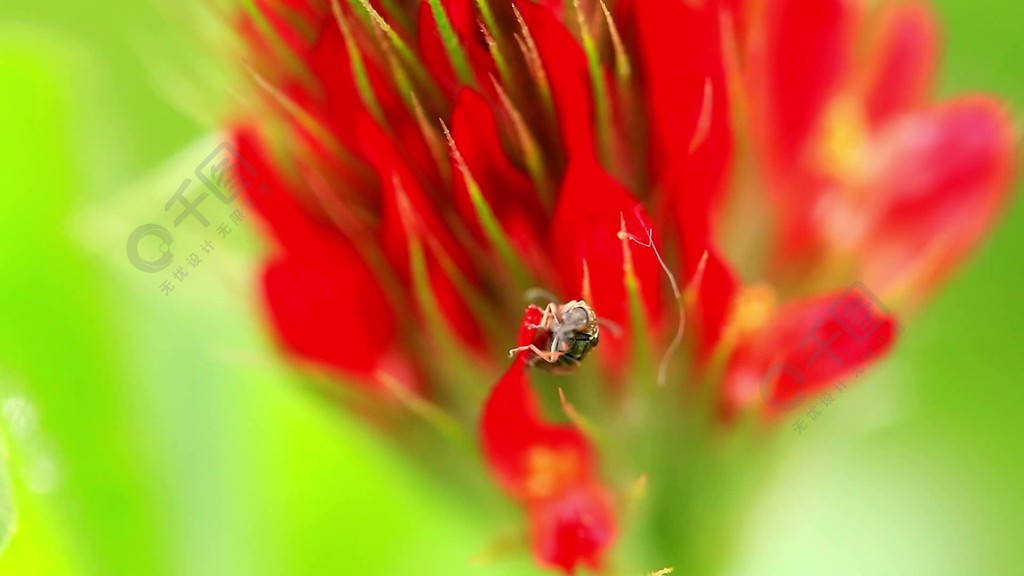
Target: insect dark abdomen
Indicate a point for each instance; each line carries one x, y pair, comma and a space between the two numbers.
582, 344
579, 347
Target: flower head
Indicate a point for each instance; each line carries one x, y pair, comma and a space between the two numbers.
429, 163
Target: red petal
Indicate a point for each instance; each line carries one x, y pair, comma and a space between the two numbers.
323, 300
549, 468
806, 347
510, 194
336, 92
699, 183
512, 429
679, 51
795, 71
292, 225
566, 68
328, 308
400, 186
284, 19
575, 528
556, 6
903, 60
395, 172
432, 50
803, 59
339, 104
942, 175
585, 227
684, 38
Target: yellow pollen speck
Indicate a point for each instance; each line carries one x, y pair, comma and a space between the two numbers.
639, 489
752, 310
843, 140
550, 471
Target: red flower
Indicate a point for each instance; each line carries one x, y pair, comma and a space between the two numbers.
427, 163
549, 468
861, 167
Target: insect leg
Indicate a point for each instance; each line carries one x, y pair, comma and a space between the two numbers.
549, 357
550, 313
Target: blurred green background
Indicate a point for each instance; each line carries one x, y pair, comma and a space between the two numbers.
150, 434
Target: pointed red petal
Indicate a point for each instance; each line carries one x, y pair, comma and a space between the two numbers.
682, 38
440, 246
514, 436
432, 50
323, 300
338, 103
903, 61
327, 307
566, 67
703, 177
806, 347
803, 59
585, 227
282, 18
943, 174
510, 193
336, 94
691, 133
397, 175
549, 468
291, 224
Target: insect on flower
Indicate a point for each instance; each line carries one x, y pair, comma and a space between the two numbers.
565, 335
561, 119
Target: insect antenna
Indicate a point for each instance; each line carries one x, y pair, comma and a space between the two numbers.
676, 292
614, 327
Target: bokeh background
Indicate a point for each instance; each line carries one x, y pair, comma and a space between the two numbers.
152, 434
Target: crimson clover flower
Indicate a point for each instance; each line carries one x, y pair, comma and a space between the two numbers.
734, 166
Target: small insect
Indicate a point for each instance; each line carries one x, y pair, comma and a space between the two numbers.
566, 334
